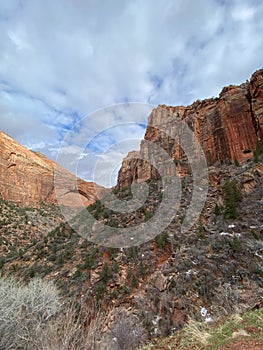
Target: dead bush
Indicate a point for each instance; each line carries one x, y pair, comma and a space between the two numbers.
73, 329
127, 331
33, 317
24, 311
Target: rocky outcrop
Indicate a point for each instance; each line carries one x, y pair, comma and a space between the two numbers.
27, 178
227, 128
251, 178
256, 92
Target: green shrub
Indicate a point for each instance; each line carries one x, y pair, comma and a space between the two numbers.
200, 228
255, 234
89, 260
105, 273
161, 240
148, 214
106, 213
259, 147
232, 198
115, 267
60, 259
2, 262
113, 222
235, 244
134, 282
78, 273
132, 252
142, 270
218, 210
100, 290
236, 162
258, 151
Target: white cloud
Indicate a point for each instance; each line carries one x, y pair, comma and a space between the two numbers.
243, 13
63, 60
100, 150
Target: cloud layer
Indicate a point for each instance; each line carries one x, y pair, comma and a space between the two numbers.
63, 60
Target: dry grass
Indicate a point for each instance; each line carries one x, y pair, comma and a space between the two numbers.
33, 317
237, 331
73, 331
196, 334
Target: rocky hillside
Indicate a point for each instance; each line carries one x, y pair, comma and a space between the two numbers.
206, 273
228, 128
27, 178
235, 332
216, 265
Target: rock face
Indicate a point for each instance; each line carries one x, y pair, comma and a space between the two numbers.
27, 178
227, 128
256, 92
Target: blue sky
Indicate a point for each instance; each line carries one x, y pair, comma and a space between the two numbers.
61, 61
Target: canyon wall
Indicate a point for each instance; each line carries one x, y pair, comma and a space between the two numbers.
227, 128
27, 178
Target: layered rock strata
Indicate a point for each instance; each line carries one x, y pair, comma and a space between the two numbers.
27, 178
228, 129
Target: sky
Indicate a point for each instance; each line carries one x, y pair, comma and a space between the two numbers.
78, 78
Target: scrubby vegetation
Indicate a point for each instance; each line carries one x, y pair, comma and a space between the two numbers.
239, 331
163, 282
34, 316
232, 198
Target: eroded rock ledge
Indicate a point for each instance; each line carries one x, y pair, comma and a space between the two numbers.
228, 128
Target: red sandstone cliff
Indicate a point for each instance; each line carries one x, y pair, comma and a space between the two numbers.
27, 178
227, 128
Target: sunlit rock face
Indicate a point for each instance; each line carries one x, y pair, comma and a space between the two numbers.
228, 129
27, 178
